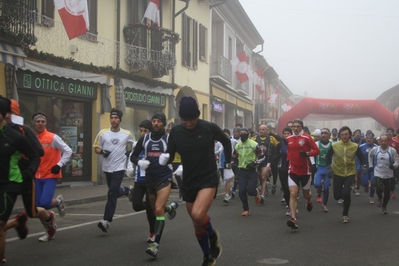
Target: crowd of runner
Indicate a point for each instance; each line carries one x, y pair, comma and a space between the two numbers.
197, 154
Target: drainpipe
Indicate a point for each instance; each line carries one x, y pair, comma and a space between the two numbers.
260, 50
174, 27
118, 34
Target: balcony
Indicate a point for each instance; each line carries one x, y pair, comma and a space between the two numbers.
150, 47
221, 68
17, 21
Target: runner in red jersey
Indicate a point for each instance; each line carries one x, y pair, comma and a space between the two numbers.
300, 147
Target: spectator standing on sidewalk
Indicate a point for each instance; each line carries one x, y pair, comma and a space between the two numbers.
114, 144
56, 155
194, 140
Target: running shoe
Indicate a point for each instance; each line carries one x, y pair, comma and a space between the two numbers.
309, 206
282, 201
345, 219
257, 197
245, 213
226, 199
46, 238
151, 238
262, 200
384, 210
22, 229
371, 201
357, 193
180, 198
340, 201
292, 223
208, 261
393, 196
232, 193
4, 261
287, 211
103, 225
324, 207
274, 189
318, 199
172, 210
61, 205
152, 249
51, 226
130, 195
216, 246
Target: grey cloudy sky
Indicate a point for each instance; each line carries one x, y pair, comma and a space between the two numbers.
330, 49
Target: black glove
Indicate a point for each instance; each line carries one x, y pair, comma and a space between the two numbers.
314, 169
55, 169
251, 165
371, 169
27, 175
105, 153
330, 172
303, 154
391, 166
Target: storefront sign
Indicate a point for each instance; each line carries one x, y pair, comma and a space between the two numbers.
37, 82
144, 97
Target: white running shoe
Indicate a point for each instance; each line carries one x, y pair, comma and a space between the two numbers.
46, 238
61, 206
103, 225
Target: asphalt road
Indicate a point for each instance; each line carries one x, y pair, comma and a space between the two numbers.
261, 239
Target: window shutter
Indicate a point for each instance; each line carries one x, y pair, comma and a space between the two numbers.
184, 39
195, 44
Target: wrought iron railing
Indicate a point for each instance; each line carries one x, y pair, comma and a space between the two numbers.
150, 47
221, 66
17, 22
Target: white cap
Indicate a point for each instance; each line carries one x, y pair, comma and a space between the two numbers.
317, 133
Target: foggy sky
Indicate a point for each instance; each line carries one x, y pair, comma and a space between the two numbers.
330, 49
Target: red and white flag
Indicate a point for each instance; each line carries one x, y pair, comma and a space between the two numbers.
152, 12
272, 98
74, 15
241, 67
259, 80
286, 106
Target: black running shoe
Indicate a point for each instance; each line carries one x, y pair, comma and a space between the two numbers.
208, 261
216, 246
292, 223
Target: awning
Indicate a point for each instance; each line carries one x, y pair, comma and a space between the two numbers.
127, 83
65, 72
12, 54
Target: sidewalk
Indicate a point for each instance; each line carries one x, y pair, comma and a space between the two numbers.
75, 193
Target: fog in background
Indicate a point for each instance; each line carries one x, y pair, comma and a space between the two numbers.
330, 49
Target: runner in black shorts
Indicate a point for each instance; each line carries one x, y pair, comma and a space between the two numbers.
194, 141
157, 177
11, 177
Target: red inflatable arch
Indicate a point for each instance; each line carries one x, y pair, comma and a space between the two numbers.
338, 109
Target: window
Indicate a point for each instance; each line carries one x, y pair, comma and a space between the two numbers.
45, 10
190, 42
92, 5
136, 10
203, 41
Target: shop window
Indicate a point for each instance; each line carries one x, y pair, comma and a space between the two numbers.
66, 119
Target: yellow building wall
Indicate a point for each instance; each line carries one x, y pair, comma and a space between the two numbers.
198, 79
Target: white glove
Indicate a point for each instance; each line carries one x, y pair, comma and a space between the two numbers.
129, 171
143, 164
179, 171
164, 158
